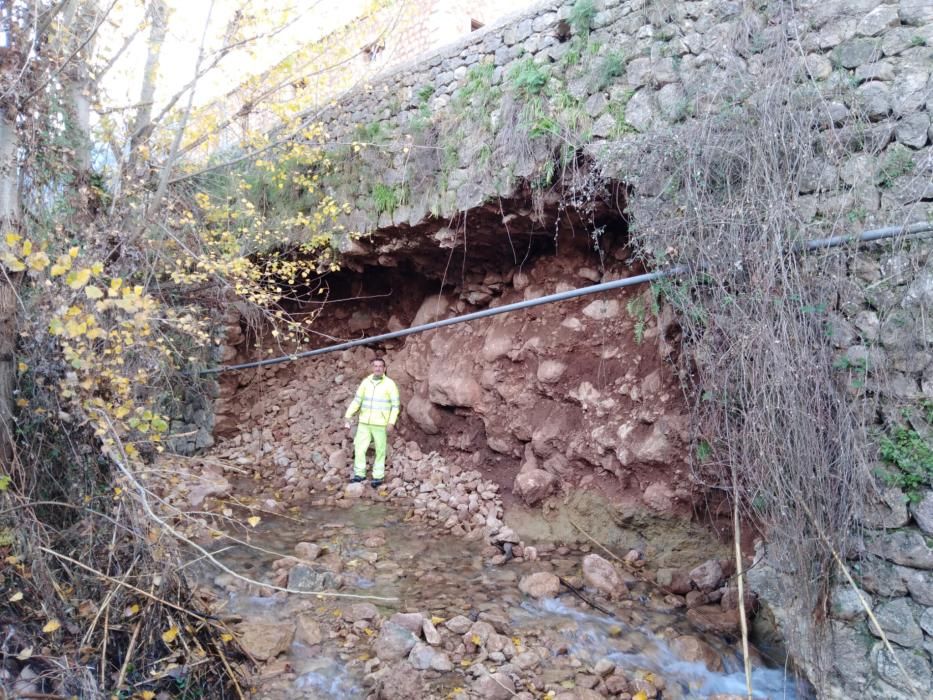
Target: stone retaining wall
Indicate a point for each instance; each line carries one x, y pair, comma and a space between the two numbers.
478, 120
512, 106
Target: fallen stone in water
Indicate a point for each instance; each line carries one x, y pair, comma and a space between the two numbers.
601, 575
423, 657
394, 642
360, 611
712, 618
695, 650
265, 640
580, 694
308, 631
308, 551
410, 621
458, 624
430, 633
305, 578
604, 667
539, 585
494, 686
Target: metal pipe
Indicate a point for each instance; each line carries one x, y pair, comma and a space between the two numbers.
485, 313
874, 235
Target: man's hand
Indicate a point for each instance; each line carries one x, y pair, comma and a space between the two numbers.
390, 428
348, 426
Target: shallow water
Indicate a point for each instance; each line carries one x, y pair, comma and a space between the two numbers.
427, 570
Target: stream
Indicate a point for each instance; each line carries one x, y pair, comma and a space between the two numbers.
374, 551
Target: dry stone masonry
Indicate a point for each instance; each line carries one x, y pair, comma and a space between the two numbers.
473, 138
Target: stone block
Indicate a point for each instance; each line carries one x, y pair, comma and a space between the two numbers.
877, 21
858, 51
896, 618
915, 13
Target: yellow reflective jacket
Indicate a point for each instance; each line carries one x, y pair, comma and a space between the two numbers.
377, 401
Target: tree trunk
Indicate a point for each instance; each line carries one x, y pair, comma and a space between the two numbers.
142, 122
9, 220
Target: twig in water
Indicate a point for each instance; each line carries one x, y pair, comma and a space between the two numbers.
579, 595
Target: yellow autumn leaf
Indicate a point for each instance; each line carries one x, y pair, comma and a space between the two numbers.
147, 695
38, 261
73, 252
13, 263
16, 597
226, 637
93, 292
51, 626
254, 520
476, 640
27, 247
25, 654
435, 620
640, 695
22, 403
97, 268
168, 636
76, 329
22, 366
12, 239
78, 278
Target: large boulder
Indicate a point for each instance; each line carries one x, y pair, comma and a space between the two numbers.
453, 385
534, 485
424, 414
707, 576
433, 308
601, 575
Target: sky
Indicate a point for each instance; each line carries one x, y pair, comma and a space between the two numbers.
304, 20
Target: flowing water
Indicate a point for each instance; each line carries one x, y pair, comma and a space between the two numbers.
426, 570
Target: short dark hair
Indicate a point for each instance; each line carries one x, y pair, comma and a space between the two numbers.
378, 359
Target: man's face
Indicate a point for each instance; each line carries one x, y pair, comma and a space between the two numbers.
379, 367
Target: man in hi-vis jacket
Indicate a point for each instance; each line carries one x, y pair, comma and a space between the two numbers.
378, 403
